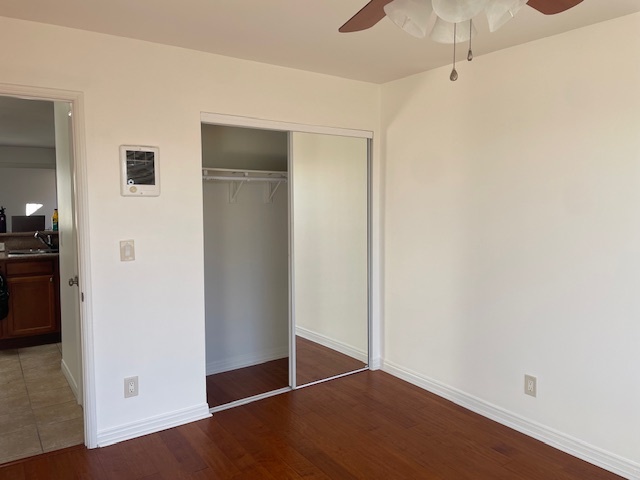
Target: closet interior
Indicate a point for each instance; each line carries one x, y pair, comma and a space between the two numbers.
286, 250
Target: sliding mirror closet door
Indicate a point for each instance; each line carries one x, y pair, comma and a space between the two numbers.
246, 236
329, 181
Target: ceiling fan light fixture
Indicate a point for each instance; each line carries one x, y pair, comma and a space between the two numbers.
412, 16
500, 12
443, 31
457, 11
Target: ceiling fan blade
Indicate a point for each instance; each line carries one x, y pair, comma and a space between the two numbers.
367, 17
551, 7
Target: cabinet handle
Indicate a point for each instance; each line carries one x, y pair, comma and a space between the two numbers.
50, 279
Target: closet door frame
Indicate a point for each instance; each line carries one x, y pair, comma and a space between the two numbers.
372, 291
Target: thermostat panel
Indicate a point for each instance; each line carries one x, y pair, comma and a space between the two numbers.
139, 171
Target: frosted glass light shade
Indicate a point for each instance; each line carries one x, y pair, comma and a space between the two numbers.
410, 15
443, 31
456, 11
500, 12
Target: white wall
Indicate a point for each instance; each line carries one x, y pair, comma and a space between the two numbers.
148, 315
512, 232
19, 186
246, 276
250, 148
329, 175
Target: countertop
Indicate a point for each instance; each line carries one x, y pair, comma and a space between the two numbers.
4, 256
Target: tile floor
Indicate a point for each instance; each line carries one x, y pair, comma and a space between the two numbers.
38, 411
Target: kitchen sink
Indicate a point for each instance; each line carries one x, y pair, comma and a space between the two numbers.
33, 251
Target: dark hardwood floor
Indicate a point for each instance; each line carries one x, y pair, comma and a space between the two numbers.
369, 425
246, 382
314, 362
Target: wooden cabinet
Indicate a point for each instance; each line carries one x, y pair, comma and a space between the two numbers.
34, 298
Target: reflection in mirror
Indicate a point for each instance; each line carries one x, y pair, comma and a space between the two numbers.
246, 264
330, 245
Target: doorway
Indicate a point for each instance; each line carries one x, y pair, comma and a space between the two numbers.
44, 411
318, 275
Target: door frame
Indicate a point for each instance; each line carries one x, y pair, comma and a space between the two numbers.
373, 232
79, 182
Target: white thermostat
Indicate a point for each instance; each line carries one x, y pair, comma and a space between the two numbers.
139, 171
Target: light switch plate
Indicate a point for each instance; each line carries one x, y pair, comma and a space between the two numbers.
127, 251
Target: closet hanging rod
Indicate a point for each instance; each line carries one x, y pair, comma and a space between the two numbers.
243, 175
244, 179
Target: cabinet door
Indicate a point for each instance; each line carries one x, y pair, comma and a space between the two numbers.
32, 307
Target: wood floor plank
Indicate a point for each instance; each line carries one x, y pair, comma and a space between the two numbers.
260, 441
12, 472
207, 446
40, 469
186, 456
84, 463
242, 459
61, 467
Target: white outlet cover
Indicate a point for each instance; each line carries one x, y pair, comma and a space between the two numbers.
130, 387
127, 250
531, 385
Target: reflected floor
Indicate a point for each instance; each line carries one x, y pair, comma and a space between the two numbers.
38, 411
314, 361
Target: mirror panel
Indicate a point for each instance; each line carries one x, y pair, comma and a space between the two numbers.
330, 254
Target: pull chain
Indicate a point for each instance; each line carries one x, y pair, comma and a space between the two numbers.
454, 75
470, 54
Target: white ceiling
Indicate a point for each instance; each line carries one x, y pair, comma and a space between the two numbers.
301, 34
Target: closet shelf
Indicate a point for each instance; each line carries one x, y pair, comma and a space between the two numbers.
240, 175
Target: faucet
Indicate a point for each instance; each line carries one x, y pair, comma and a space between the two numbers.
46, 240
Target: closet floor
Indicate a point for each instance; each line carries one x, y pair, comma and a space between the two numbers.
246, 382
314, 362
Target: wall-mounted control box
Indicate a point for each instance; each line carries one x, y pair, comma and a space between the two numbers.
139, 171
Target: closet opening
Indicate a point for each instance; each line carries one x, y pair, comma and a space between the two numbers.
287, 256
245, 209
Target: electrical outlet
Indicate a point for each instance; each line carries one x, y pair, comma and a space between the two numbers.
530, 385
130, 387
127, 251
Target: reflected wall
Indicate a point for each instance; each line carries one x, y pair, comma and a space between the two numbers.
330, 254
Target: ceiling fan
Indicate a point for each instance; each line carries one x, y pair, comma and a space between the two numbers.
376, 10
454, 18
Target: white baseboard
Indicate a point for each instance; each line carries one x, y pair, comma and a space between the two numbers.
248, 360
71, 381
554, 438
332, 344
152, 425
